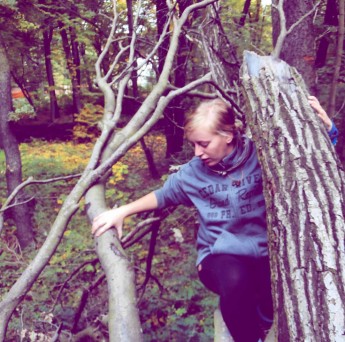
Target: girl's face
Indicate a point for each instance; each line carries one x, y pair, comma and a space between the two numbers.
210, 147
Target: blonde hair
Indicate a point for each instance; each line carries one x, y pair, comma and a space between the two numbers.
216, 115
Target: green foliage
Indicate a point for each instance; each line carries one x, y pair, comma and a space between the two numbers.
178, 312
53, 159
87, 123
255, 34
182, 311
23, 110
9, 3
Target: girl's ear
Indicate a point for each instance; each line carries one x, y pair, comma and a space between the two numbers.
230, 138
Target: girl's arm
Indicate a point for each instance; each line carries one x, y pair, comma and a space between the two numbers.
116, 216
331, 128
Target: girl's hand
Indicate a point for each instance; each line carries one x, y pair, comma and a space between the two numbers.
315, 104
108, 219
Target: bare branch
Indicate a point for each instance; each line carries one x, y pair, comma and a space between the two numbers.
283, 30
16, 204
194, 7
21, 186
116, 61
127, 239
108, 43
158, 44
189, 87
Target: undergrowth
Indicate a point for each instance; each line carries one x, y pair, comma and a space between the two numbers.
173, 307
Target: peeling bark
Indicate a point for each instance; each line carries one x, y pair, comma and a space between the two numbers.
304, 187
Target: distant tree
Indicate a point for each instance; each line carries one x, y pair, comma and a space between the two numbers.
20, 210
47, 39
70, 46
175, 114
330, 20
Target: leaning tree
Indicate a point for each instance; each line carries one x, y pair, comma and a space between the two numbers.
303, 185
112, 144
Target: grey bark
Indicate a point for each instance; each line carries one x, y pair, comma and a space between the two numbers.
10, 145
303, 187
298, 48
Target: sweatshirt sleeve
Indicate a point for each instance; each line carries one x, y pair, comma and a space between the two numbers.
172, 192
333, 134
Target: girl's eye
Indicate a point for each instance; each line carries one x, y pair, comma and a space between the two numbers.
203, 144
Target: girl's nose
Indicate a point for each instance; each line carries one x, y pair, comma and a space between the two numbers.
198, 151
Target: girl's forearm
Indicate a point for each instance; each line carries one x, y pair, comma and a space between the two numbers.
145, 203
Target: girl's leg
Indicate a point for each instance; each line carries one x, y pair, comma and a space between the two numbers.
265, 305
233, 279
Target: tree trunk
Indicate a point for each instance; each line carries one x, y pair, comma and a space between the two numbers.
303, 37
20, 212
303, 186
338, 58
87, 73
47, 39
72, 67
24, 89
331, 19
222, 59
245, 12
175, 115
161, 17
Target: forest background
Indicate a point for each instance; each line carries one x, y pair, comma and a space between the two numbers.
52, 49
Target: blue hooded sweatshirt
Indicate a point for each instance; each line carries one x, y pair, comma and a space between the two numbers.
229, 200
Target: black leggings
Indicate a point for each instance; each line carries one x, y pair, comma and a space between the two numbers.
244, 288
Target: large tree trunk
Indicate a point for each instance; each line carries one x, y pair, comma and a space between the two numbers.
20, 212
304, 187
299, 46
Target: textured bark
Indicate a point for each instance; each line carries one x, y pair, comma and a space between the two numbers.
222, 59
304, 187
9, 143
298, 48
124, 321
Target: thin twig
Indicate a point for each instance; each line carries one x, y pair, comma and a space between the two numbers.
21, 186
74, 272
